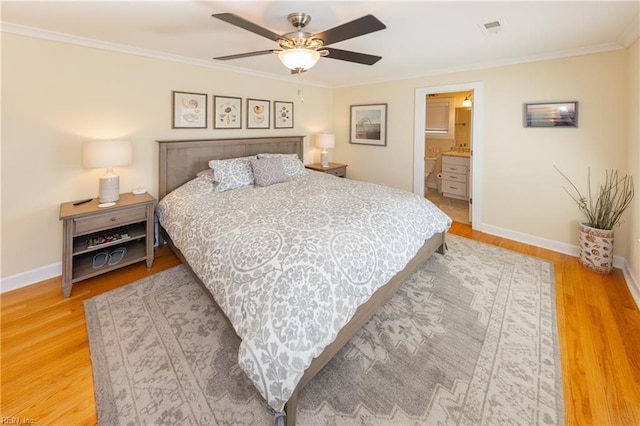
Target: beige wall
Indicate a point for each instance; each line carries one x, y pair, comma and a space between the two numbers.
521, 190
56, 96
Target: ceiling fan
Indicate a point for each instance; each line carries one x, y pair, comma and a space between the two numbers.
300, 50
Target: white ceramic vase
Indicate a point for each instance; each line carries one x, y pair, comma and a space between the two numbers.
595, 248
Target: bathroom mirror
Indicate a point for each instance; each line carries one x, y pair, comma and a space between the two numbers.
463, 127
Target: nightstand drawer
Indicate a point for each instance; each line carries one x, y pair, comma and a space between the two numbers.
84, 225
335, 169
340, 172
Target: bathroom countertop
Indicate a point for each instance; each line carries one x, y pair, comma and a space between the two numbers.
458, 153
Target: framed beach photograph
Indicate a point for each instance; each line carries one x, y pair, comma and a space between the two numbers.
227, 112
189, 110
258, 114
282, 115
551, 114
368, 124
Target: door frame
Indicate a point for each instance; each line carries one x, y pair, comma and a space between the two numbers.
477, 117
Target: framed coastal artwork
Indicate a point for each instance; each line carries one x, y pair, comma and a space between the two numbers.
227, 112
258, 114
551, 114
189, 110
282, 115
368, 124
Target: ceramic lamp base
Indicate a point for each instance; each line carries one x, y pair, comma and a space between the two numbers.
324, 159
109, 188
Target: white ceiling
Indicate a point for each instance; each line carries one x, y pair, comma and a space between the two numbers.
421, 38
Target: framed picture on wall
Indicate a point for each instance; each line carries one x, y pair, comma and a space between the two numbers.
368, 124
189, 110
227, 112
551, 114
258, 114
282, 115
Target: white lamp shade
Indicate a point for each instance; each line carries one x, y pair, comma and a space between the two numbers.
298, 58
325, 140
106, 153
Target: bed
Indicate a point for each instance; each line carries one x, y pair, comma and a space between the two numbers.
281, 371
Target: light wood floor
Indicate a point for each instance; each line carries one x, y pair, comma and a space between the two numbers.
46, 368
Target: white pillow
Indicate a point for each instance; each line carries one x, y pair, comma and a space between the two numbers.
293, 167
232, 173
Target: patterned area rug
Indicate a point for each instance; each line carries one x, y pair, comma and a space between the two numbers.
469, 339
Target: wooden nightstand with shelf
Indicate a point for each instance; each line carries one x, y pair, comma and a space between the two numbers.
335, 169
89, 230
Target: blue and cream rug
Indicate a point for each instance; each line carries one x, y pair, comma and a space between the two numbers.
470, 339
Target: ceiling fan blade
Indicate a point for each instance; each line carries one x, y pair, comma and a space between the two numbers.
243, 55
247, 25
346, 55
361, 26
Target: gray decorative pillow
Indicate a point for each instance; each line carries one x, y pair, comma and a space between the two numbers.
232, 173
267, 171
293, 167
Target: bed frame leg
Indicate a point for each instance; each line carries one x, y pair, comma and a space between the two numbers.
291, 407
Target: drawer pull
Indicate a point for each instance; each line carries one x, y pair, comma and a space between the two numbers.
113, 219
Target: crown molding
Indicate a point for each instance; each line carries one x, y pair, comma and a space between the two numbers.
24, 30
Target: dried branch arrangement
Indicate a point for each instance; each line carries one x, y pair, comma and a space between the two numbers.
605, 210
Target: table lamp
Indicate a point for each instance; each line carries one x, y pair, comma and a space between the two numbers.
109, 154
324, 141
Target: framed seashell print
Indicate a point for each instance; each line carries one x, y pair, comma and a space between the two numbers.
227, 112
258, 114
282, 115
189, 110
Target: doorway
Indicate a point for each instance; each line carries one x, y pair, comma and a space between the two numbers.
429, 186
448, 143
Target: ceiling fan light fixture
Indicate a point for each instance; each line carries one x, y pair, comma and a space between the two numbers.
299, 58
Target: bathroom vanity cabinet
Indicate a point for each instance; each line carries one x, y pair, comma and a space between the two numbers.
455, 176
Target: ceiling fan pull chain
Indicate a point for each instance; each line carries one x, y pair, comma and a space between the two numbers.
301, 89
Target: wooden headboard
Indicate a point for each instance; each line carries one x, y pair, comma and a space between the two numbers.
181, 160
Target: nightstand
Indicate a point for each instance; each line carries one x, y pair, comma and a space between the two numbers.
335, 169
93, 237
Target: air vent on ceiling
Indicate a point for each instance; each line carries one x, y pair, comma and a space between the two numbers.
492, 27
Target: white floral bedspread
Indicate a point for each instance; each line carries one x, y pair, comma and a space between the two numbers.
290, 263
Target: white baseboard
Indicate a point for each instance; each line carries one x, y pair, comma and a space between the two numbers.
545, 243
530, 239
30, 277
44, 273
571, 250
632, 283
